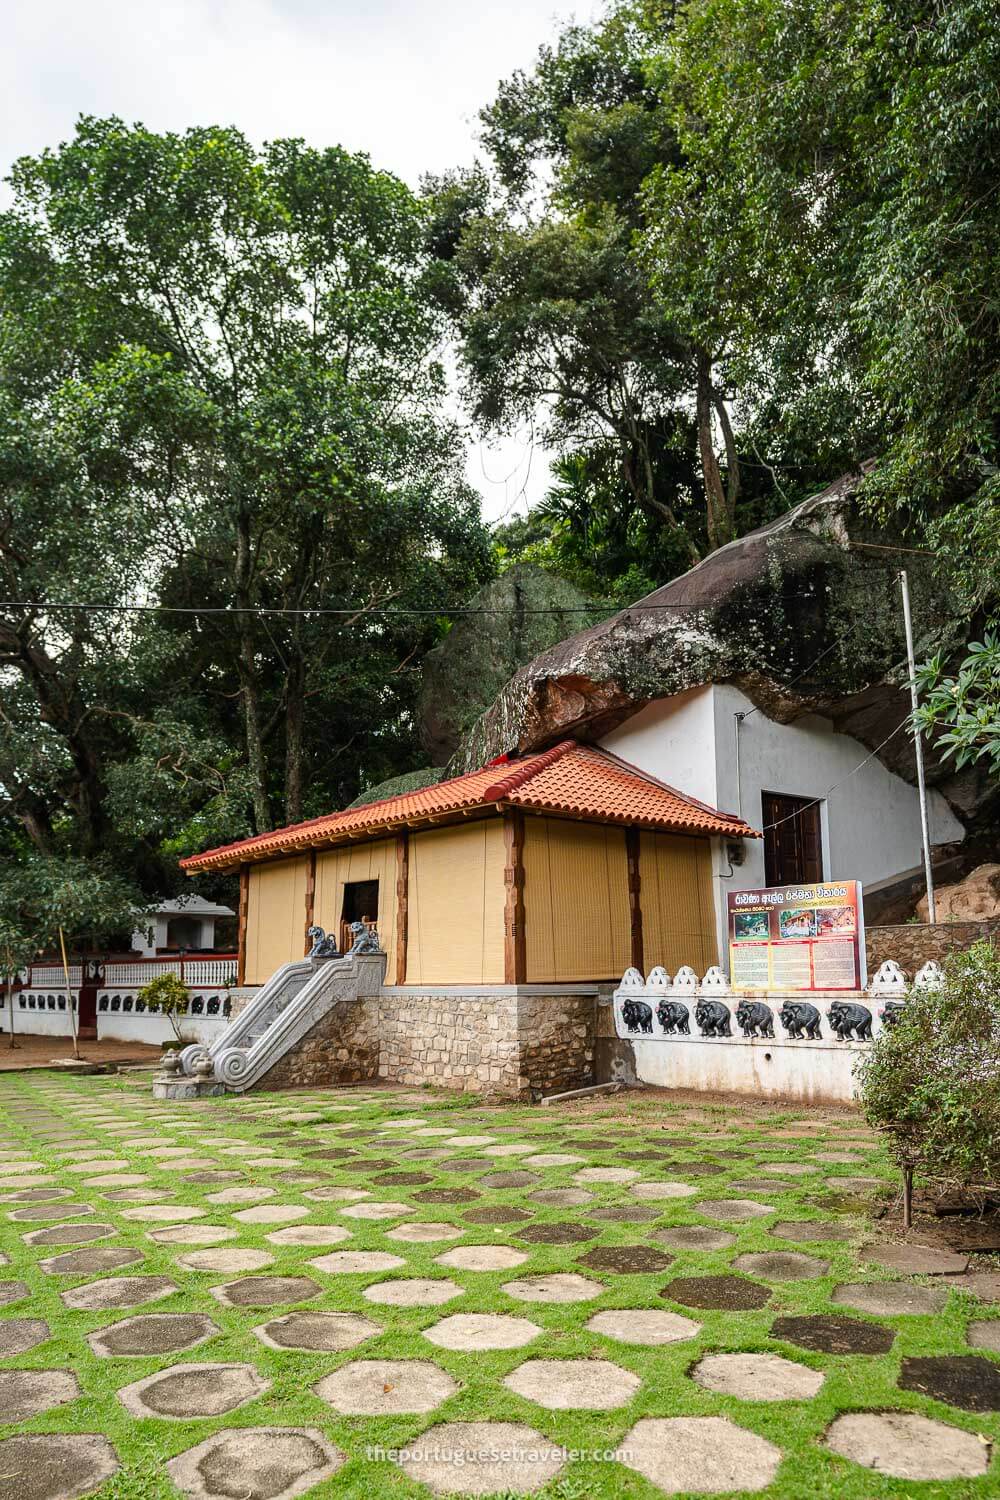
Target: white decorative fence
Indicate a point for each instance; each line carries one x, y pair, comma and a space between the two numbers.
696, 1033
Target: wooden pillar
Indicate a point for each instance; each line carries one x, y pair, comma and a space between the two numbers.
241, 947
514, 961
310, 898
402, 902
634, 896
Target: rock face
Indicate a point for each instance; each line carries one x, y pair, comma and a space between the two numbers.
525, 611
974, 899
803, 615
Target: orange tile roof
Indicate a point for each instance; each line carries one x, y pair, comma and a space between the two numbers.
572, 780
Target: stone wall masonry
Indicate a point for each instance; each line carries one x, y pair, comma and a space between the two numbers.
912, 944
342, 1047
503, 1041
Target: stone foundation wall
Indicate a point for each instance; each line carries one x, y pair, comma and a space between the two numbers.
912, 944
343, 1047
501, 1040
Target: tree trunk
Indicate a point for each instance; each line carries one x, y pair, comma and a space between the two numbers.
294, 732
720, 528
249, 686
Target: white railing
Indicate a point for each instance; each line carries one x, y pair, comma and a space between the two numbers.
47, 976
210, 972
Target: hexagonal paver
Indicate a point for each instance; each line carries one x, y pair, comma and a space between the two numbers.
39, 1212
984, 1333
374, 1210
916, 1260
890, 1299
357, 1262
18, 1335
802, 1230
27, 1393
70, 1234
335, 1194
152, 1333
82, 1262
163, 1213
964, 1380
482, 1331
655, 1191
309, 1234
699, 1455
782, 1265
12, 1291
646, 1326
61, 1466
226, 1260
757, 1377
605, 1174
320, 1331
694, 1237
830, 1334
118, 1291
420, 1233
733, 1210
566, 1233
193, 1234
242, 1194
481, 1258
560, 1286
731, 1293
907, 1446
262, 1463
562, 1197
482, 1458
265, 1291
552, 1159
415, 1291
185, 1391
626, 1260
386, 1387
573, 1384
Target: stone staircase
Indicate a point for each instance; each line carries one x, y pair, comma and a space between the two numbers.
293, 1000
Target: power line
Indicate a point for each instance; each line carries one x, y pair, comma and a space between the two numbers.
837, 784
344, 611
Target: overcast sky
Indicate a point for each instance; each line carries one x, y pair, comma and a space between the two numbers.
402, 81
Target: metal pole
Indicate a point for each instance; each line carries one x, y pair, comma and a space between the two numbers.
918, 748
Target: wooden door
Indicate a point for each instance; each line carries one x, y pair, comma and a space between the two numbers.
793, 840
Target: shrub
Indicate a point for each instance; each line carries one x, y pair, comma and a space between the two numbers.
930, 1082
168, 995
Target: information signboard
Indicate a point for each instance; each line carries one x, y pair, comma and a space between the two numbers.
798, 937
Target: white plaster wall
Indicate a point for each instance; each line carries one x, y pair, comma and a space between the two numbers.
152, 1030
813, 1072
35, 1022
674, 740
870, 823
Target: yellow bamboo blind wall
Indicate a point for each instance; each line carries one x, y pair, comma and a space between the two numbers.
276, 916
577, 923
370, 861
678, 916
456, 905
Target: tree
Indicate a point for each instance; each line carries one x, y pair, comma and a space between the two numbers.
219, 391
552, 297
46, 900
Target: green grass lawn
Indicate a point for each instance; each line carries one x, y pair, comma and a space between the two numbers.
736, 1142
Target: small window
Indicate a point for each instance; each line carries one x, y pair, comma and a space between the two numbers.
360, 901
127, 1003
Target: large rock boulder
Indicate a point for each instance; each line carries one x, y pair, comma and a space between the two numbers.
803, 615
510, 620
974, 899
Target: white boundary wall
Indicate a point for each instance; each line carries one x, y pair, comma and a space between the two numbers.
811, 1070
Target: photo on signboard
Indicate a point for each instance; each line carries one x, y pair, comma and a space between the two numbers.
800, 922
751, 924
834, 919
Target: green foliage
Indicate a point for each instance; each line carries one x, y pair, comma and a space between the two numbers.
929, 1081
220, 389
168, 995
963, 708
